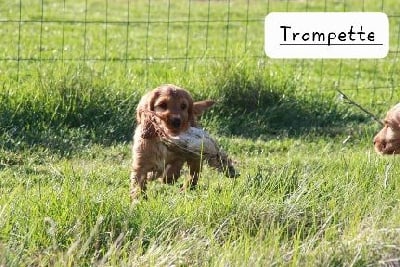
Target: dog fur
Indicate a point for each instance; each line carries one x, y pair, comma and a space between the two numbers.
173, 109
387, 141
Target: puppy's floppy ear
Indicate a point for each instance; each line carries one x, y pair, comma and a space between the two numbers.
200, 106
146, 104
144, 114
393, 117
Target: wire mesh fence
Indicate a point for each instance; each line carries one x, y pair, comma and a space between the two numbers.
137, 36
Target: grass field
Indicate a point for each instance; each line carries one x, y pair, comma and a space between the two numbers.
312, 191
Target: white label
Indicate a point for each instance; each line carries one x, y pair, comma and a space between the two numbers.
326, 35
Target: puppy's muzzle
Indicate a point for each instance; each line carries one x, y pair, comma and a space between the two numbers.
176, 123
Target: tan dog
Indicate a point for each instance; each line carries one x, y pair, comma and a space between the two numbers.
387, 141
171, 108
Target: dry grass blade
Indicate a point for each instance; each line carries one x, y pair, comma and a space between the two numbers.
352, 102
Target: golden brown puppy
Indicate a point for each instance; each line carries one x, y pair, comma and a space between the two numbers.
171, 108
387, 141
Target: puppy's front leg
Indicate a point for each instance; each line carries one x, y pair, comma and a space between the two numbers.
138, 184
172, 172
194, 170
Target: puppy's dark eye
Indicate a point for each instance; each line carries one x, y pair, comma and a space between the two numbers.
162, 106
183, 106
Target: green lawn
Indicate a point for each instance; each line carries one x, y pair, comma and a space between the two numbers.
312, 191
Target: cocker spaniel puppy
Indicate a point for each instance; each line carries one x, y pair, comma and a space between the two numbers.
173, 110
387, 141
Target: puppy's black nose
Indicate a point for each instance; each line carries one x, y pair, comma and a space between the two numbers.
176, 122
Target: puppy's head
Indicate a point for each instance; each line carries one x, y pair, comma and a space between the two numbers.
171, 108
387, 141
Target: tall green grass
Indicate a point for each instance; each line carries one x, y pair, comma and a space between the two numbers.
281, 211
311, 192
80, 105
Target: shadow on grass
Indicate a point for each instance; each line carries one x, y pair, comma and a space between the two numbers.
252, 106
74, 115
65, 118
